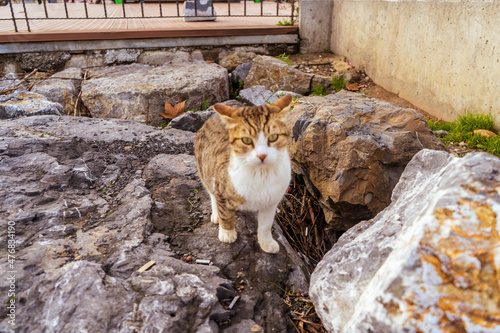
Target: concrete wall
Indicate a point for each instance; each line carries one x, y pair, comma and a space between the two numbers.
441, 55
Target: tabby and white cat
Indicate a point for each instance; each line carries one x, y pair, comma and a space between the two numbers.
244, 164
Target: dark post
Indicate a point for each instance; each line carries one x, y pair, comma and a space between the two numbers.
26, 16
13, 17
45, 8
65, 8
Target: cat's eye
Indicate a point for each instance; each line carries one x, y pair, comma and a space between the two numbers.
247, 140
272, 137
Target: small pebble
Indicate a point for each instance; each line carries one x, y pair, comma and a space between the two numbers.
189, 258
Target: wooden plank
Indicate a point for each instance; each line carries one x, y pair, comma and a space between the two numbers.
134, 34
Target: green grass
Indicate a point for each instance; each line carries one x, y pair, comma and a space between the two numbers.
319, 91
205, 105
461, 130
285, 58
339, 83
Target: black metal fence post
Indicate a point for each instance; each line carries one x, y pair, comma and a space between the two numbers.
13, 16
26, 16
45, 8
65, 8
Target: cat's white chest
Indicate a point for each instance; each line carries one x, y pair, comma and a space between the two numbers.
262, 187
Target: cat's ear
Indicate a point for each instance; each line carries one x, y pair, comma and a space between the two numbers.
228, 114
283, 102
225, 110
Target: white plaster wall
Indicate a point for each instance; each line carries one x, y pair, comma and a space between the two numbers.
441, 55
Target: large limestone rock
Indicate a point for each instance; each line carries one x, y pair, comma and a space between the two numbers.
92, 200
22, 104
427, 263
276, 75
63, 88
352, 149
139, 92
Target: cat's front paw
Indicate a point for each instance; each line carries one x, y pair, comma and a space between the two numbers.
213, 218
270, 247
227, 236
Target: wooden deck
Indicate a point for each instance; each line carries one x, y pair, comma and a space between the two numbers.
261, 19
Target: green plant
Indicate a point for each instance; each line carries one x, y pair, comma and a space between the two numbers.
205, 104
292, 20
235, 93
286, 22
165, 123
461, 130
319, 91
285, 58
339, 82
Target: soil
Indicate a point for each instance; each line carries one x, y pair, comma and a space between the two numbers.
324, 64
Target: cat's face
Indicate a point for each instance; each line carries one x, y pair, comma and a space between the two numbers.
258, 135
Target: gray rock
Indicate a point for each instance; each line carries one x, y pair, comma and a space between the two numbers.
352, 149
202, 10
43, 61
139, 92
191, 121
240, 73
21, 104
63, 88
89, 198
163, 166
257, 95
120, 56
9, 81
321, 81
158, 58
276, 75
87, 60
419, 264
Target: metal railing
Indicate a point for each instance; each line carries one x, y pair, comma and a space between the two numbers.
165, 9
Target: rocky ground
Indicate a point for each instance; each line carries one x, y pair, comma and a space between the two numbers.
92, 200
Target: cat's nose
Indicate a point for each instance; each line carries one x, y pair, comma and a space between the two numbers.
262, 157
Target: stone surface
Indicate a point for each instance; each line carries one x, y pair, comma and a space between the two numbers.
191, 121
8, 81
63, 88
120, 56
427, 263
86, 60
139, 92
235, 59
240, 73
157, 58
20, 104
257, 95
276, 75
202, 10
323, 81
43, 61
352, 149
92, 200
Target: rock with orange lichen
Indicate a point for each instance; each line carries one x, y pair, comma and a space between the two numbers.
430, 262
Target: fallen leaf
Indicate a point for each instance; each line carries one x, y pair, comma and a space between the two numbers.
485, 133
173, 111
352, 87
